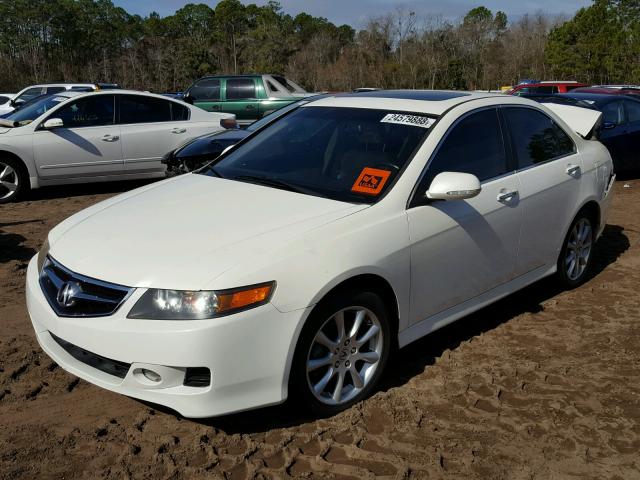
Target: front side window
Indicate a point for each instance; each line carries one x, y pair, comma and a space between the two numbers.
474, 145
94, 111
612, 113
140, 109
206, 89
633, 111
240, 88
28, 95
536, 137
346, 154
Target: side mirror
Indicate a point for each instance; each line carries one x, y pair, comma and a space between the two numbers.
608, 125
454, 186
187, 98
52, 123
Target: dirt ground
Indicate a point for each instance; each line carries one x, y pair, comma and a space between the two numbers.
542, 385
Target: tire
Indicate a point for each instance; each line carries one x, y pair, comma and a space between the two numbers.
14, 180
356, 361
576, 255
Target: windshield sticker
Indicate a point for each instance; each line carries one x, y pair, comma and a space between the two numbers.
370, 181
404, 119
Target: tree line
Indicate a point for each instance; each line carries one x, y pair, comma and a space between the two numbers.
93, 40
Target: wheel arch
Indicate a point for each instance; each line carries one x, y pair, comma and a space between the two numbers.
9, 154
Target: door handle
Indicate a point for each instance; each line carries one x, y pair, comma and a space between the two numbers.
215, 107
250, 107
507, 195
178, 130
573, 170
110, 138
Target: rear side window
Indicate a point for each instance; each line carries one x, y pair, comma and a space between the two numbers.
55, 89
139, 109
179, 112
536, 138
94, 111
206, 89
633, 110
474, 145
240, 88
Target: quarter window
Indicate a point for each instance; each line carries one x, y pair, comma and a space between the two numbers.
536, 138
206, 89
240, 88
89, 112
474, 145
139, 109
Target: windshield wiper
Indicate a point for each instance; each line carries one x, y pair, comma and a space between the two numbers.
270, 182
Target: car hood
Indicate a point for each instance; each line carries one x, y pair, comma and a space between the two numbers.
185, 232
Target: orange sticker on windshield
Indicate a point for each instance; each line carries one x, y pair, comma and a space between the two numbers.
370, 181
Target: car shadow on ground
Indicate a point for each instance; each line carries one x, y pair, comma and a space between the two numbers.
12, 244
82, 189
413, 359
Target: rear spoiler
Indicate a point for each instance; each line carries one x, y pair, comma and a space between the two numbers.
583, 121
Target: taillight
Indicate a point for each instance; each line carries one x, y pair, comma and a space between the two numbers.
228, 123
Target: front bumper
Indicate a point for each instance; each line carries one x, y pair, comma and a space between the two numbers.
248, 353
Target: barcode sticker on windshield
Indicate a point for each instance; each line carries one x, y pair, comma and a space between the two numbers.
404, 119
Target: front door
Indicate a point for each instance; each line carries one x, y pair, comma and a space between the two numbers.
87, 145
241, 98
463, 248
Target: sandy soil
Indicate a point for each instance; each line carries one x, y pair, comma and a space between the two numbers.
542, 385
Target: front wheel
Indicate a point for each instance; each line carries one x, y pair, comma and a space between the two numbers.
575, 257
341, 352
13, 180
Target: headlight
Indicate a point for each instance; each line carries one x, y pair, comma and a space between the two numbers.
42, 254
157, 304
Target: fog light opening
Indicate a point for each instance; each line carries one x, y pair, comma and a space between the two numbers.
151, 375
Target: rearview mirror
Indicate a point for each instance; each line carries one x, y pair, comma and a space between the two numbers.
52, 123
454, 186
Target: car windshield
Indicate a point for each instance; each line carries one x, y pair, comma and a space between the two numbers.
29, 113
346, 154
273, 115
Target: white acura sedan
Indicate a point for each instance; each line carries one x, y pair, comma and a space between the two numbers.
295, 263
76, 137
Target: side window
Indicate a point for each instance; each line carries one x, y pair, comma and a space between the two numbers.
536, 137
612, 113
141, 109
206, 89
240, 88
55, 89
179, 112
546, 90
474, 145
633, 110
88, 112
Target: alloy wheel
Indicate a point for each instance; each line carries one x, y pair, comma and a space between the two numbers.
344, 355
9, 181
578, 249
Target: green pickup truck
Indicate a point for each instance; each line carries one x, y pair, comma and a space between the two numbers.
249, 97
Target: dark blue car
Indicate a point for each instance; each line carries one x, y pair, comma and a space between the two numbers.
619, 130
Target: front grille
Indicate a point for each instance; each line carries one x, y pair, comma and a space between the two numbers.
106, 365
73, 295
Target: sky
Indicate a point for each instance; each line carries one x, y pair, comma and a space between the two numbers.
356, 12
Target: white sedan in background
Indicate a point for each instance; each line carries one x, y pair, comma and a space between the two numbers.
293, 264
77, 137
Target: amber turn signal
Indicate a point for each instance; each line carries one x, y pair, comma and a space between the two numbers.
240, 299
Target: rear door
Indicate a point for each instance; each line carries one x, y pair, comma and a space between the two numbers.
241, 98
613, 133
150, 128
631, 141
206, 94
549, 170
88, 144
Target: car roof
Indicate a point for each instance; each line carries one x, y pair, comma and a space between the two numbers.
434, 102
595, 97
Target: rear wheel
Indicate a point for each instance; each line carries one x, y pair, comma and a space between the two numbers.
341, 352
575, 258
13, 180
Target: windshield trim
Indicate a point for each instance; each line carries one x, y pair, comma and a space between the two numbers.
359, 200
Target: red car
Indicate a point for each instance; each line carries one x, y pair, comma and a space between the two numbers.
545, 88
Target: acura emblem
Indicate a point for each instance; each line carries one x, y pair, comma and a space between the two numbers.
67, 294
